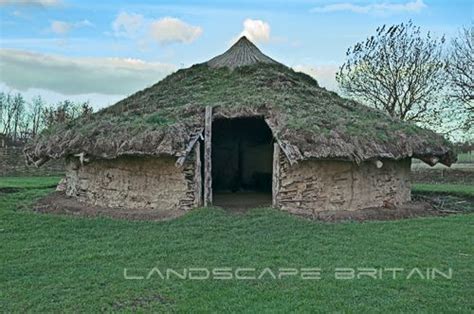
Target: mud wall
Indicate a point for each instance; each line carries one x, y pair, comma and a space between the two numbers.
311, 186
133, 183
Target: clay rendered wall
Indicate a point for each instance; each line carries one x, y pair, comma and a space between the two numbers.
133, 183
311, 186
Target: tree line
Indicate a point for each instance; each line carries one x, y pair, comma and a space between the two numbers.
413, 76
21, 119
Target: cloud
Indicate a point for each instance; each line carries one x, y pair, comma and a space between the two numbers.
83, 23
381, 8
24, 70
19, 14
171, 30
127, 24
256, 31
324, 74
164, 31
62, 28
97, 101
41, 3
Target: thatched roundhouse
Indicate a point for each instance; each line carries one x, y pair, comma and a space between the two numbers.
239, 122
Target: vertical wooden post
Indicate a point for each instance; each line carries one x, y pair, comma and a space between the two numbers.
276, 175
197, 175
208, 157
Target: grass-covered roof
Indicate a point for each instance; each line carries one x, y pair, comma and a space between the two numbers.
308, 121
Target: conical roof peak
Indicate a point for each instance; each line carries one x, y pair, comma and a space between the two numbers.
242, 53
243, 39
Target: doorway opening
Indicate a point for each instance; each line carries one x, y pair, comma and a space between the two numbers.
242, 159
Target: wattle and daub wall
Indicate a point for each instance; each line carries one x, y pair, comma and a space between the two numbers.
307, 187
133, 182
311, 186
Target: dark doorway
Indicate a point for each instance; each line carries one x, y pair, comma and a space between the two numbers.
242, 154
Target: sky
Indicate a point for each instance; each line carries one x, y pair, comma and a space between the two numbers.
102, 51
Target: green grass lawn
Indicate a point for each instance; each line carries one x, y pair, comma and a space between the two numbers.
65, 263
454, 189
28, 182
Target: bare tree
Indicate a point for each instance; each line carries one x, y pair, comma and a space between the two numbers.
3, 100
86, 109
18, 115
36, 110
8, 113
65, 112
20, 121
461, 67
399, 70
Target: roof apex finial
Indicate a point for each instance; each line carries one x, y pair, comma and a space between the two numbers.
244, 40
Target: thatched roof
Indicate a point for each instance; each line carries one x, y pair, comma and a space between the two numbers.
242, 53
307, 121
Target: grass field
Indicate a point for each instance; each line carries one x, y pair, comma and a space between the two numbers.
65, 263
455, 189
28, 182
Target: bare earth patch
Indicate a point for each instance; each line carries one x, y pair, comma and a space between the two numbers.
59, 203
